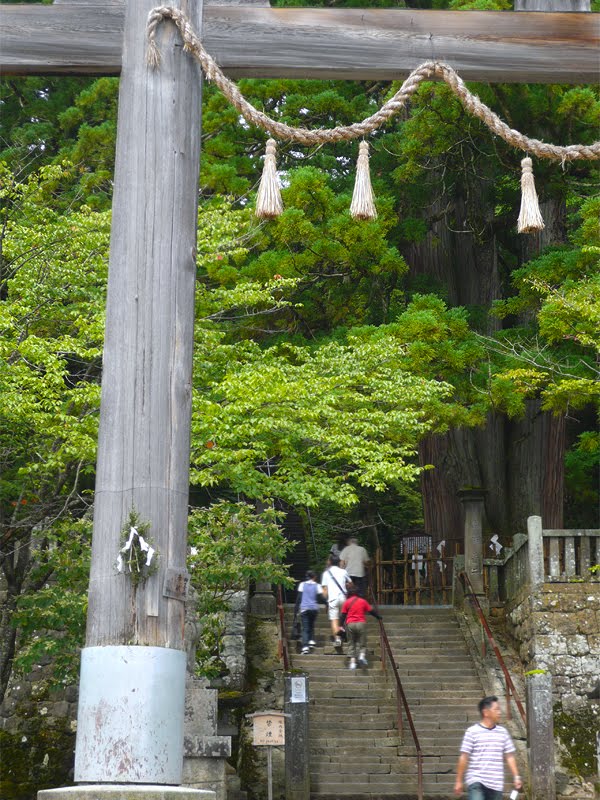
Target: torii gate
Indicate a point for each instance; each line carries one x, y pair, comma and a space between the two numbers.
130, 726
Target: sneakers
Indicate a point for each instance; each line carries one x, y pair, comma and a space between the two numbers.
362, 660
352, 664
305, 651
312, 643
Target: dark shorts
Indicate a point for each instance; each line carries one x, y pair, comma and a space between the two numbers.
477, 791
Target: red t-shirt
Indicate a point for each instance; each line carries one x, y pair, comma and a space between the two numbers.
355, 608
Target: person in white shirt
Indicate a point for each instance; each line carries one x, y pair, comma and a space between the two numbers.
355, 560
485, 747
334, 582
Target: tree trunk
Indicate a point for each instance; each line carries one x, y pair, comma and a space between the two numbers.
520, 463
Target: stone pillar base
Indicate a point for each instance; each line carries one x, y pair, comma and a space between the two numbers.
116, 791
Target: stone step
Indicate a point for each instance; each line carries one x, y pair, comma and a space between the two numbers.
447, 752
413, 688
442, 688
337, 671
364, 785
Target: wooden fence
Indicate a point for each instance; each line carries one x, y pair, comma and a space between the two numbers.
414, 574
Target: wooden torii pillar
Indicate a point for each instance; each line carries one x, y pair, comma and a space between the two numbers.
130, 727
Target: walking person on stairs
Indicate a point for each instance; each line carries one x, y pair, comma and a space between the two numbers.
484, 748
307, 600
353, 618
334, 582
355, 560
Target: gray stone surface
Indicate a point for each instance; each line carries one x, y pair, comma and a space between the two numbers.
557, 628
540, 737
205, 753
125, 792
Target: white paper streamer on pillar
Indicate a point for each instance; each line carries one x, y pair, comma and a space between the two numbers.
441, 546
144, 547
495, 544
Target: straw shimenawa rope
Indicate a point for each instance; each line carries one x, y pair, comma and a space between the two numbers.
427, 71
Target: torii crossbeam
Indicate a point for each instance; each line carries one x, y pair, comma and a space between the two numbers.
130, 725
359, 44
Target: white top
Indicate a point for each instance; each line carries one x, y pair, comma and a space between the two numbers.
327, 580
486, 748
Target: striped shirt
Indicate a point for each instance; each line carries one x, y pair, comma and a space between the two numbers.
486, 748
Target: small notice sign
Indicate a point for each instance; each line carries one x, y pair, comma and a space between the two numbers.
269, 729
298, 690
176, 583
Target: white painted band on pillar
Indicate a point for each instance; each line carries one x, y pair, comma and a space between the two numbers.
130, 717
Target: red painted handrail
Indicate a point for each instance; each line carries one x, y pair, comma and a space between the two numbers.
401, 699
510, 687
284, 652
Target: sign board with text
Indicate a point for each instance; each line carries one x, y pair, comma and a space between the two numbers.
269, 728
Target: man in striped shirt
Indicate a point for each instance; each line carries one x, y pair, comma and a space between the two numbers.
484, 748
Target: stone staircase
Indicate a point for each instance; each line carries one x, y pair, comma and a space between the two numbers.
355, 747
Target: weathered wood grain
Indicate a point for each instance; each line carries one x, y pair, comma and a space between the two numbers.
382, 44
144, 437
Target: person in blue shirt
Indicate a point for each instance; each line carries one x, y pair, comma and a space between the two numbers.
308, 603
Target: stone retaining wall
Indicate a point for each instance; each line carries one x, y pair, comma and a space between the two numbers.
558, 629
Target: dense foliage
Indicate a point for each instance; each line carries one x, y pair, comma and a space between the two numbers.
326, 351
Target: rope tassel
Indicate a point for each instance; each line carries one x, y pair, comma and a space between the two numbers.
530, 216
363, 203
268, 202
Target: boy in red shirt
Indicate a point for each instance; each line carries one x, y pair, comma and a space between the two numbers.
354, 613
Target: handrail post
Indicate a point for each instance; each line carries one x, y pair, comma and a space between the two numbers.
402, 702
399, 716
510, 687
508, 695
283, 643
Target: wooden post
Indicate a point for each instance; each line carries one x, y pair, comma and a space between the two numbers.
143, 449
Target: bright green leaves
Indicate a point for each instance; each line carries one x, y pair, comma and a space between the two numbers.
555, 356
312, 425
51, 619
230, 545
346, 272
51, 325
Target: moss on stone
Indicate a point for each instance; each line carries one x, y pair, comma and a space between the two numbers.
39, 756
576, 731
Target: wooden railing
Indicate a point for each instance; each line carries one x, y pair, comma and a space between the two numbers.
414, 575
283, 644
508, 681
387, 655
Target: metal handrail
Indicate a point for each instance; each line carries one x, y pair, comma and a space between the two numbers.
283, 647
400, 699
510, 687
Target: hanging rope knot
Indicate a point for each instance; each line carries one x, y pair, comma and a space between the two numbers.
530, 216
424, 72
363, 203
268, 199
